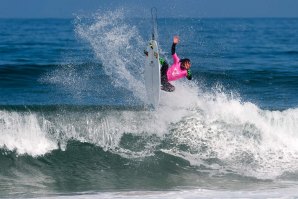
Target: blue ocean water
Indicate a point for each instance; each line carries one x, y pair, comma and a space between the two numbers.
74, 121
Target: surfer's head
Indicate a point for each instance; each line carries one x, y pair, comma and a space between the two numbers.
185, 63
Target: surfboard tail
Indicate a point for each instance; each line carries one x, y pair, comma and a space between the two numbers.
154, 23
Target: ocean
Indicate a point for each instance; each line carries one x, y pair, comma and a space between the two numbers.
74, 121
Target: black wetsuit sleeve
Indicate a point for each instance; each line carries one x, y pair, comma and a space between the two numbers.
173, 50
189, 75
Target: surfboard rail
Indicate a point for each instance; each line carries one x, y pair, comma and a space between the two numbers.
152, 74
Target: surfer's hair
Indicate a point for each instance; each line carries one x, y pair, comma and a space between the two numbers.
184, 61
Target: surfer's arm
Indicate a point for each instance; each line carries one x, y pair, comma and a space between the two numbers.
174, 55
173, 49
175, 41
188, 74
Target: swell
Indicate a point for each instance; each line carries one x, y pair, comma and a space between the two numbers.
86, 167
278, 86
287, 77
22, 74
47, 109
37, 69
32, 75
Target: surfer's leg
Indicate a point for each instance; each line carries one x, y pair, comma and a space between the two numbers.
164, 67
163, 71
165, 85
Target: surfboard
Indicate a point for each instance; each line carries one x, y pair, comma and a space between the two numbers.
152, 74
152, 65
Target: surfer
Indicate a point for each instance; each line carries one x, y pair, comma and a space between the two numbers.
179, 69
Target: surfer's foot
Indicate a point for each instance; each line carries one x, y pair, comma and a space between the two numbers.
146, 53
167, 87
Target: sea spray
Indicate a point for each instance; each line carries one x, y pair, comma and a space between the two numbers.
118, 46
23, 133
242, 137
111, 61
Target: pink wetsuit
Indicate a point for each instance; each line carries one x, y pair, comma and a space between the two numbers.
175, 72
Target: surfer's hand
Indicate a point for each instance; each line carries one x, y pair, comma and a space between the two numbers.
176, 40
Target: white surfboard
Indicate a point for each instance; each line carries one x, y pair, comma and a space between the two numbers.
152, 74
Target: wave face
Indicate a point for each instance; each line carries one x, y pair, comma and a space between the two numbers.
73, 114
214, 142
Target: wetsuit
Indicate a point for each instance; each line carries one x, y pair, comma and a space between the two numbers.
176, 71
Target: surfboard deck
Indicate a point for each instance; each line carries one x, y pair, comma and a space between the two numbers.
152, 74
